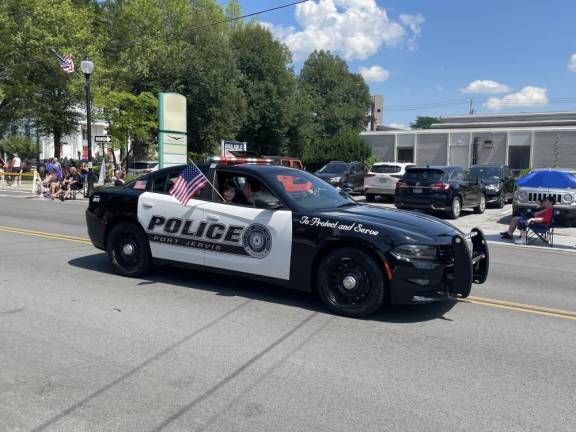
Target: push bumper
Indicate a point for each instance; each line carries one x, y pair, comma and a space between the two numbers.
462, 263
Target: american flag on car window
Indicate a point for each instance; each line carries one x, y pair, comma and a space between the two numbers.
190, 182
140, 184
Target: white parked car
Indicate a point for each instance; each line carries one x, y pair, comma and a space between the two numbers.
382, 178
138, 168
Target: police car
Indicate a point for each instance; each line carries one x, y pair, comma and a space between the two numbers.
289, 227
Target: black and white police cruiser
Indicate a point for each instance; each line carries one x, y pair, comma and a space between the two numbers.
289, 227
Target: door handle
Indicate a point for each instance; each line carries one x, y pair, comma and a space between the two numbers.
213, 218
147, 204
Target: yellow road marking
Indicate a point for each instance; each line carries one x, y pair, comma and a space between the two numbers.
44, 235
521, 307
501, 304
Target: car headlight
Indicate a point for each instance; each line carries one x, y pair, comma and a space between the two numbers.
336, 179
523, 196
414, 252
493, 187
567, 198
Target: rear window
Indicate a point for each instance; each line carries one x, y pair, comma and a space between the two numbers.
424, 174
385, 169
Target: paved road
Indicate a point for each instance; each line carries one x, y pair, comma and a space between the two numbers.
86, 350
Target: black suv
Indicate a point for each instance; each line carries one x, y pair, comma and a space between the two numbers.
498, 182
348, 176
445, 189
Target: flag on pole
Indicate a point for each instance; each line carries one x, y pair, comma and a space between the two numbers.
190, 181
66, 62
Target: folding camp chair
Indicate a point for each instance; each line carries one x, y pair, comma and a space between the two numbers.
544, 233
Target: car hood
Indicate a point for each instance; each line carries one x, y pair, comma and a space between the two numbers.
403, 226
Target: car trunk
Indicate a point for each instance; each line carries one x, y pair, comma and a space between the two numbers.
424, 181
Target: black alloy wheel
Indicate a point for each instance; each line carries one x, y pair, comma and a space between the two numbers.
501, 200
481, 207
370, 197
350, 283
455, 208
129, 250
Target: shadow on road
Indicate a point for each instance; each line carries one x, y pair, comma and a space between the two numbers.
262, 291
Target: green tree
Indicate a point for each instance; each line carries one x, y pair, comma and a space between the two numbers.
340, 99
178, 48
33, 84
268, 85
130, 118
423, 122
346, 146
22, 145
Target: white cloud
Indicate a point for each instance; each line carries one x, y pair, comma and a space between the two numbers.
398, 126
572, 63
355, 29
414, 23
486, 86
374, 74
527, 97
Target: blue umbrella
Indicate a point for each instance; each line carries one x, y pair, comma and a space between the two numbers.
550, 178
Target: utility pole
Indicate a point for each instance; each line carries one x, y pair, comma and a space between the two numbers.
372, 114
471, 110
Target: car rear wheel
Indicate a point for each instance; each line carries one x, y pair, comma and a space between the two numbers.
370, 197
455, 208
129, 250
479, 209
350, 283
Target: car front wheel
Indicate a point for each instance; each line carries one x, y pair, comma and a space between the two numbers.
350, 283
128, 250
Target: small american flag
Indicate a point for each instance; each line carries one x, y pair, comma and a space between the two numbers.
189, 182
66, 62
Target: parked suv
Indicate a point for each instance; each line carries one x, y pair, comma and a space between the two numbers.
348, 176
498, 182
382, 177
446, 189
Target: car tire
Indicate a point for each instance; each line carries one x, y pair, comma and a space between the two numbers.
128, 250
501, 200
481, 207
350, 283
370, 197
455, 208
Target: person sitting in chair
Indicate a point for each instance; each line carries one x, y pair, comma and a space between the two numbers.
543, 217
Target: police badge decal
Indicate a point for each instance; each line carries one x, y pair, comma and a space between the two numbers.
257, 240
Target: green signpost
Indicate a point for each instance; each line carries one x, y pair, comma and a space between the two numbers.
172, 142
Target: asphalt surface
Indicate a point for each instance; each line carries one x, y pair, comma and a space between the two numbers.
86, 350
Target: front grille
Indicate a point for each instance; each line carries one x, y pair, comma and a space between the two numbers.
446, 254
539, 196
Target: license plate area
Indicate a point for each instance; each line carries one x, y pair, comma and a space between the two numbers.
417, 190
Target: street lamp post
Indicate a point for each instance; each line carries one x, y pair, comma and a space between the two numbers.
87, 67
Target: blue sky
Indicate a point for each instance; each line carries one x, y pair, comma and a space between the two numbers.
510, 55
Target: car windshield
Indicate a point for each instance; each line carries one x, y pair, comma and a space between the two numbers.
423, 174
385, 169
485, 173
307, 191
334, 168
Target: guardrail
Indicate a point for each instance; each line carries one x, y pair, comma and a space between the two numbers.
32, 177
